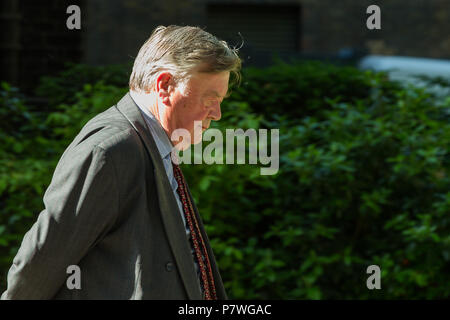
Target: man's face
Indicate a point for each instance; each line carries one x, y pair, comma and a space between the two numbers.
198, 100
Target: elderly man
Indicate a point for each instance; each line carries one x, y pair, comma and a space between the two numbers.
118, 211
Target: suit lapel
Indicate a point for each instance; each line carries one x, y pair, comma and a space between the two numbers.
173, 224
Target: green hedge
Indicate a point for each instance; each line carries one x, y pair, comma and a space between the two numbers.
363, 180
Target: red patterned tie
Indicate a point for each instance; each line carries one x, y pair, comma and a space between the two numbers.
207, 279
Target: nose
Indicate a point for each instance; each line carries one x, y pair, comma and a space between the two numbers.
215, 112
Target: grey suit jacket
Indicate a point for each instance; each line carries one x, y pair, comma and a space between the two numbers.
110, 210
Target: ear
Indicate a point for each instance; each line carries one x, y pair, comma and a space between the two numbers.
164, 86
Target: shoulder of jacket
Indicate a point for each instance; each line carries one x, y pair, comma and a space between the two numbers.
110, 132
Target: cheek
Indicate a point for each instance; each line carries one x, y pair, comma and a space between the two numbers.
192, 110
198, 111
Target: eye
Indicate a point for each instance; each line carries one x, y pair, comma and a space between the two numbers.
211, 102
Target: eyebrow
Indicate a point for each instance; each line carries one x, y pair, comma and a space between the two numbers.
215, 93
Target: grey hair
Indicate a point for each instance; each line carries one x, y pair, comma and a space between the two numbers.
182, 50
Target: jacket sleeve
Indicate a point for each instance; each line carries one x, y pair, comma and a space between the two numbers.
81, 205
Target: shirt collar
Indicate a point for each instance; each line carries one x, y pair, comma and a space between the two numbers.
162, 140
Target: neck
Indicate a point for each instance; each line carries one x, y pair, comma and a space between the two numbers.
150, 103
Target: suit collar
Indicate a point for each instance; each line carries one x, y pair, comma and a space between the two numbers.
167, 203
169, 210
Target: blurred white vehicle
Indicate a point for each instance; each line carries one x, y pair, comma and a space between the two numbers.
409, 70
